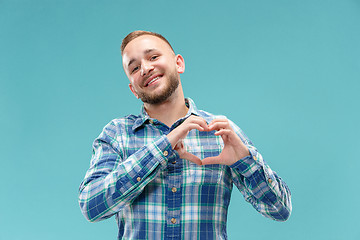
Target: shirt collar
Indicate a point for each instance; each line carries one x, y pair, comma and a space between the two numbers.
144, 117
192, 108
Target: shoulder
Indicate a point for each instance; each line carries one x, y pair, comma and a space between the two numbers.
209, 116
126, 120
121, 124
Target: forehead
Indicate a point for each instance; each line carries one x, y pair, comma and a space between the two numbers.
140, 45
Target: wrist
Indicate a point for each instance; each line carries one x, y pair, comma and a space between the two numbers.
171, 139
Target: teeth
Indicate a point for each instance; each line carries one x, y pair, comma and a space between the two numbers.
153, 80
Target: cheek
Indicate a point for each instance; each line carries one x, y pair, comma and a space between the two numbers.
134, 83
133, 90
135, 80
163, 64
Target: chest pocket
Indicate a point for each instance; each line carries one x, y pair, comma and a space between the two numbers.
204, 174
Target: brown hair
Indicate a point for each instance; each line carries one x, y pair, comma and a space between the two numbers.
131, 36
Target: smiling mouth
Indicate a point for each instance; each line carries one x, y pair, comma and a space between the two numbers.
153, 80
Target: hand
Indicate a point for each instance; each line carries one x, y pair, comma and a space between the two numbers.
234, 149
177, 135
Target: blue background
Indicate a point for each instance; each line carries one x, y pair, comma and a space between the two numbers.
287, 72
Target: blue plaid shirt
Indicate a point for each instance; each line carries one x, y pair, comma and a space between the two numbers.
136, 175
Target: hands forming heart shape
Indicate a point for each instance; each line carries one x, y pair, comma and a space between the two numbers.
234, 149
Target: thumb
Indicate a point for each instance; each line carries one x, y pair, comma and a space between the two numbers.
210, 160
191, 157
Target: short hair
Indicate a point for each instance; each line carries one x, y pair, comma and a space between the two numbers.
135, 34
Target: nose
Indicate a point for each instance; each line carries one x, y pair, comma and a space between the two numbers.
145, 68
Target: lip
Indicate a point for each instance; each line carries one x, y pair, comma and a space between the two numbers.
146, 84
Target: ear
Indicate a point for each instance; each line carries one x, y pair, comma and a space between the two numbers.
180, 63
133, 90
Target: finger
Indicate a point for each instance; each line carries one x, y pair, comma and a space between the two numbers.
192, 126
219, 125
218, 120
221, 121
195, 123
211, 160
228, 135
223, 132
198, 120
182, 130
191, 157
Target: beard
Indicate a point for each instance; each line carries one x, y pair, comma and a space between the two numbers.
170, 88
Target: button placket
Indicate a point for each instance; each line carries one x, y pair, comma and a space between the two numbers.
173, 196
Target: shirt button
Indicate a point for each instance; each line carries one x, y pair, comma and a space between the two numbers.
173, 220
174, 162
255, 158
269, 180
174, 189
166, 153
151, 121
138, 179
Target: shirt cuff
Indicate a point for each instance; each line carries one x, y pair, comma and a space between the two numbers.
165, 152
249, 164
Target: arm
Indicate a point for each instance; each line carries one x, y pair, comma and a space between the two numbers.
112, 182
262, 187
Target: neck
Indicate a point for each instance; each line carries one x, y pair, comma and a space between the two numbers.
169, 111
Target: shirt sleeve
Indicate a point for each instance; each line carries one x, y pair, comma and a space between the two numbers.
261, 186
112, 182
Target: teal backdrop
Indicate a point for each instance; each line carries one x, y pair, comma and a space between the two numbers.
287, 72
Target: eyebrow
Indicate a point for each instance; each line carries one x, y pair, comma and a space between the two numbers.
147, 51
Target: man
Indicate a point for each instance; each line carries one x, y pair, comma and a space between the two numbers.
168, 173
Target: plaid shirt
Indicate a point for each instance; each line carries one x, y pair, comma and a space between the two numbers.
136, 175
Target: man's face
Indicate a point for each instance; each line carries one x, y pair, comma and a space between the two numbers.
152, 68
